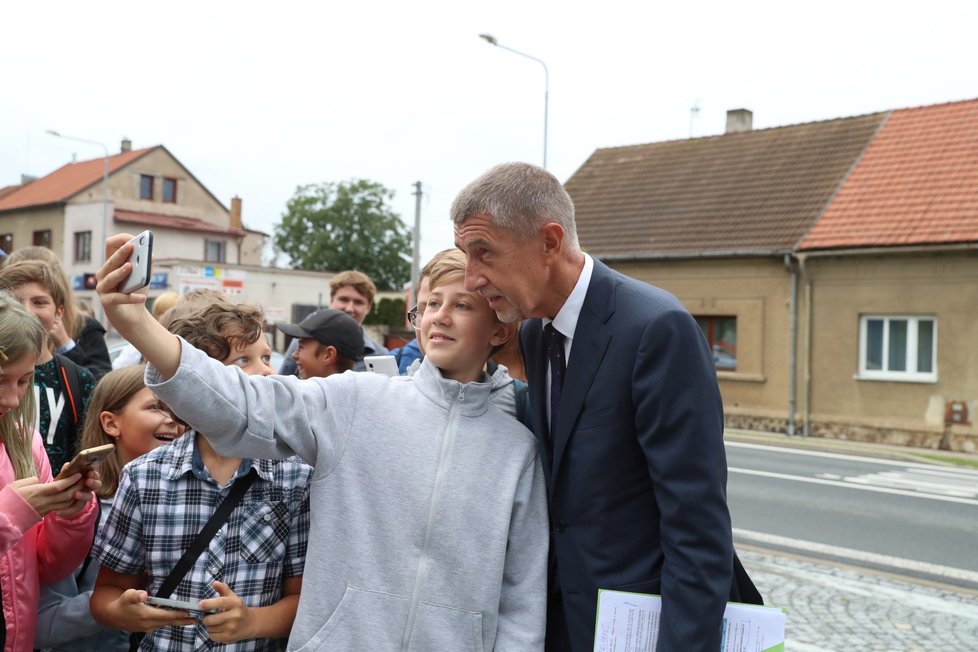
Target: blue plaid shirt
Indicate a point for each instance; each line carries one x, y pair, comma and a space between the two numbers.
166, 497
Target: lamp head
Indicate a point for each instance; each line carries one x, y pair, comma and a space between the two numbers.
52, 132
488, 38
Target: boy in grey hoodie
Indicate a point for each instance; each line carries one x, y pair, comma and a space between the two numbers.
429, 522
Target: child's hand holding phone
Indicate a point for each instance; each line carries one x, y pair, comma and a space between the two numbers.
132, 612
234, 620
133, 322
87, 460
67, 496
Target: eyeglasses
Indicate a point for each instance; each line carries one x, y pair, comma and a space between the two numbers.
414, 317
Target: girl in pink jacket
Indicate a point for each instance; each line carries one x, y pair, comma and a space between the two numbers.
46, 525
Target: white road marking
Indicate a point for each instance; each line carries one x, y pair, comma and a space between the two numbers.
933, 481
854, 485
862, 556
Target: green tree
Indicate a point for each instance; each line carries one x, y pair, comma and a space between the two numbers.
346, 225
389, 312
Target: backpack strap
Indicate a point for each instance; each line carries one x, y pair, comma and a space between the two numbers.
521, 392
68, 371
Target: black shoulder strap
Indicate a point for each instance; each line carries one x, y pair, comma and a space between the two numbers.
201, 541
68, 371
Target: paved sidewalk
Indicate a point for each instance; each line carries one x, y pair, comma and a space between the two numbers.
832, 607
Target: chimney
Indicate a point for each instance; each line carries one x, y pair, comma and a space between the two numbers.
126, 145
27, 178
739, 120
236, 213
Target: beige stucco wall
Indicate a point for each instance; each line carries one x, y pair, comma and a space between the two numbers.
192, 199
252, 247
23, 223
944, 285
757, 292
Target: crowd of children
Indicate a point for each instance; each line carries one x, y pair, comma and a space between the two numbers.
414, 505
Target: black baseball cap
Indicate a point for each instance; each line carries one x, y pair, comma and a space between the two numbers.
331, 327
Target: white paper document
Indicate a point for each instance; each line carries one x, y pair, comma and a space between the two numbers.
629, 622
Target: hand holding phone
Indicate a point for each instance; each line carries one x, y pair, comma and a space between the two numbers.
141, 260
166, 603
87, 460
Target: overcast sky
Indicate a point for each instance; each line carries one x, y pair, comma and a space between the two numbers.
258, 98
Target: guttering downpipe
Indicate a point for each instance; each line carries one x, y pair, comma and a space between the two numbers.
806, 276
792, 268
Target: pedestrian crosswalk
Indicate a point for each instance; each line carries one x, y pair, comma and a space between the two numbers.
939, 482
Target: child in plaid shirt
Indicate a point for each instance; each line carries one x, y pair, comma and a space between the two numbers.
252, 570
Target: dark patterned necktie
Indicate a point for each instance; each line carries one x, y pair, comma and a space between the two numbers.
555, 354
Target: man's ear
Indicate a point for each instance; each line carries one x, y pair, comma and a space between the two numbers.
553, 241
501, 333
110, 424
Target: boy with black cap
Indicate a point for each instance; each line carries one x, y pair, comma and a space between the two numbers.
330, 342
428, 504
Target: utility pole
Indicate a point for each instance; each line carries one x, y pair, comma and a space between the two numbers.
416, 260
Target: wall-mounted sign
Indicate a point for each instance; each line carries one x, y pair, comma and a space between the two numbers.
159, 281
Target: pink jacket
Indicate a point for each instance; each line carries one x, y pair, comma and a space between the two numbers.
34, 551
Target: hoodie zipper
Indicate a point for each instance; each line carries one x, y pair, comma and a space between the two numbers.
448, 438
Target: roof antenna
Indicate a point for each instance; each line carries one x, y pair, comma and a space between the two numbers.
693, 112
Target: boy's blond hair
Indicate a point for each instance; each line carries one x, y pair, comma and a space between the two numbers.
47, 276
164, 302
358, 280
445, 267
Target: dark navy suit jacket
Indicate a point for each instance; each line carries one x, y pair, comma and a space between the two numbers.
636, 475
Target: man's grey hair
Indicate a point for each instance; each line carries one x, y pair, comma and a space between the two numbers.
519, 197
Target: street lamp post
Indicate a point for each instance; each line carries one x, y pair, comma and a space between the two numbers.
105, 188
491, 40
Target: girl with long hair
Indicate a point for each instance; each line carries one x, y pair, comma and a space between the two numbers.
41, 519
123, 412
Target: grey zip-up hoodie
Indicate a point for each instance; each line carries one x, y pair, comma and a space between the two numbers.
429, 519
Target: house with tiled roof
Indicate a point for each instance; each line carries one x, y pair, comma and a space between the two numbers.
147, 187
198, 242
831, 265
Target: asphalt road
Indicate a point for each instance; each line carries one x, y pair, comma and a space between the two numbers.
913, 519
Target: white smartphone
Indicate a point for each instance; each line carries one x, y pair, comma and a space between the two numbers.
381, 364
166, 603
142, 263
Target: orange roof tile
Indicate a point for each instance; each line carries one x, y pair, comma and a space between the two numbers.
6, 190
66, 181
916, 184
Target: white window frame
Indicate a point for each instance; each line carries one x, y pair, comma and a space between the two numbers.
911, 375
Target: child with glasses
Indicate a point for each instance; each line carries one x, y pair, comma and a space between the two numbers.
428, 509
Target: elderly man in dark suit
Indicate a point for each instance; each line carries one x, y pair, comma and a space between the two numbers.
626, 409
